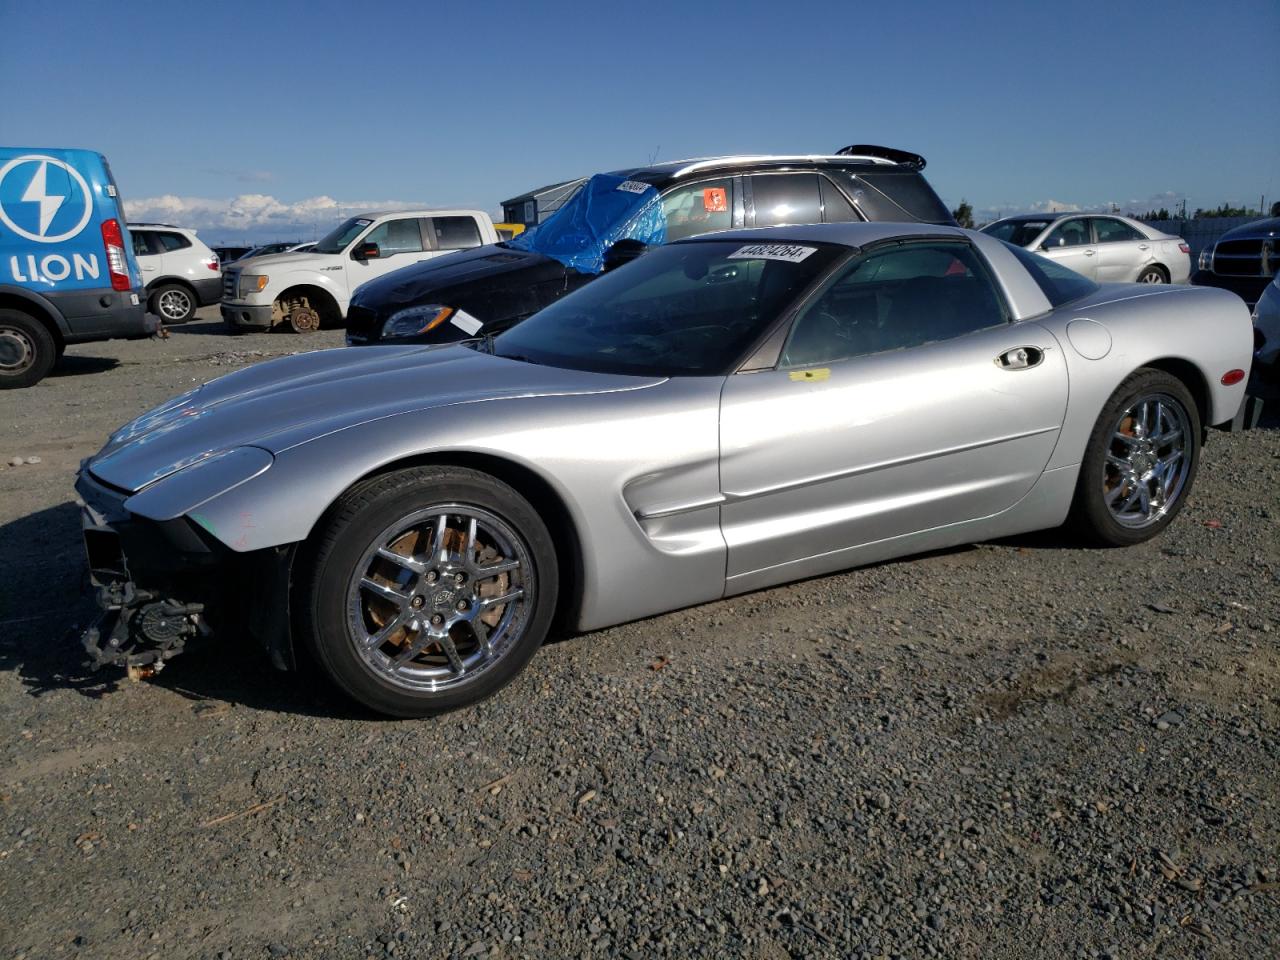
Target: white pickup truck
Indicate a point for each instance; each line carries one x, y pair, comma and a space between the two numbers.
311, 290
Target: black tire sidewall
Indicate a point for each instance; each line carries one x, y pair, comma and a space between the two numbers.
166, 288
44, 349
1153, 269
348, 531
1090, 515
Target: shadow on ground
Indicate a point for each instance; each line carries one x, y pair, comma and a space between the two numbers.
73, 365
47, 601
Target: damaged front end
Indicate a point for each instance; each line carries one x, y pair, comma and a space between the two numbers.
159, 583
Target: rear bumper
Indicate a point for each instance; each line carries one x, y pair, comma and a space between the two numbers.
1249, 289
103, 315
247, 314
209, 291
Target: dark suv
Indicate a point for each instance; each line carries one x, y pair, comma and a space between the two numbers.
1244, 260
614, 217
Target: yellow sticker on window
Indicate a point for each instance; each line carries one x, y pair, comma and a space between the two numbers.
811, 376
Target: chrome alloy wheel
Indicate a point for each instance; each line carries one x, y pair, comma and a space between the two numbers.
1148, 461
440, 596
174, 305
1152, 276
16, 350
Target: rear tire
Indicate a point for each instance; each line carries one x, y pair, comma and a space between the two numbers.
1153, 274
173, 303
1140, 462
27, 350
400, 608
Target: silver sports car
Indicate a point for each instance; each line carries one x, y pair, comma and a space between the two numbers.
1100, 247
724, 413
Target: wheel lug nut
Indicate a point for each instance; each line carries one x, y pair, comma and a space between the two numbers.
459, 578
436, 620
463, 606
416, 602
432, 576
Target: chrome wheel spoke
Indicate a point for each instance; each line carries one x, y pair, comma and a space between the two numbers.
481, 630
439, 546
384, 591
409, 563
384, 633
494, 569
488, 602
451, 653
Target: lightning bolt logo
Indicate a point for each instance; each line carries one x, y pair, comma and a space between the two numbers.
38, 192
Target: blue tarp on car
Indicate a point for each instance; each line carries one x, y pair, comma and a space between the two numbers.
607, 209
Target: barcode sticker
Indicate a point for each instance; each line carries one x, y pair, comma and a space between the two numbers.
633, 186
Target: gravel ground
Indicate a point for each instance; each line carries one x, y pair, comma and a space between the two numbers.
1018, 749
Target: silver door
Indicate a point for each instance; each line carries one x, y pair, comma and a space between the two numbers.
1071, 244
817, 461
1122, 251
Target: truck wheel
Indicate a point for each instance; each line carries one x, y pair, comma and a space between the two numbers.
173, 303
27, 350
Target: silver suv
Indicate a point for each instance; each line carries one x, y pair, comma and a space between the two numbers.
181, 274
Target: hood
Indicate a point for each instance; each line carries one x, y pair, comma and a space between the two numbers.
421, 282
281, 403
307, 261
1270, 227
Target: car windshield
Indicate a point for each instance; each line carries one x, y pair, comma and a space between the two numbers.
337, 239
1021, 232
688, 309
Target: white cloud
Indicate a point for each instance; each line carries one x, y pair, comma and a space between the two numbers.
1169, 200
253, 214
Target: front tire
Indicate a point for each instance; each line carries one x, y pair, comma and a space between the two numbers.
173, 303
1140, 462
428, 589
27, 350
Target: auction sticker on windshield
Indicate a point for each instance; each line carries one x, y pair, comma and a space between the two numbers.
790, 252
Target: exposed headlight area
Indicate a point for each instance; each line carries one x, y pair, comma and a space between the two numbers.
1206, 258
251, 283
414, 321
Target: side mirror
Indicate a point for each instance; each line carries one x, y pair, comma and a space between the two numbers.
624, 251
368, 251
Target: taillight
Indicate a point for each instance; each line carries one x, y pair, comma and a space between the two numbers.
1232, 377
212, 264
1184, 248
117, 265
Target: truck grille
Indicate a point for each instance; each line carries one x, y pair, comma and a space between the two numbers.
230, 280
1247, 258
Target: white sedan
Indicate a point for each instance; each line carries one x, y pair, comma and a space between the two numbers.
1103, 248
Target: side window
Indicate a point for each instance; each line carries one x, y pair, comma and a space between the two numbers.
698, 208
835, 208
786, 198
1069, 233
172, 241
396, 236
896, 299
141, 243
1114, 231
455, 233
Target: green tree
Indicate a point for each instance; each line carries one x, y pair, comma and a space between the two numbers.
964, 214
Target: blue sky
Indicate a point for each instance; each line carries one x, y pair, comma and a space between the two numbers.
279, 116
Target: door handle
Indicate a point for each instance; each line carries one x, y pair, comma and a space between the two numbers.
1020, 358
1143, 246
1090, 253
